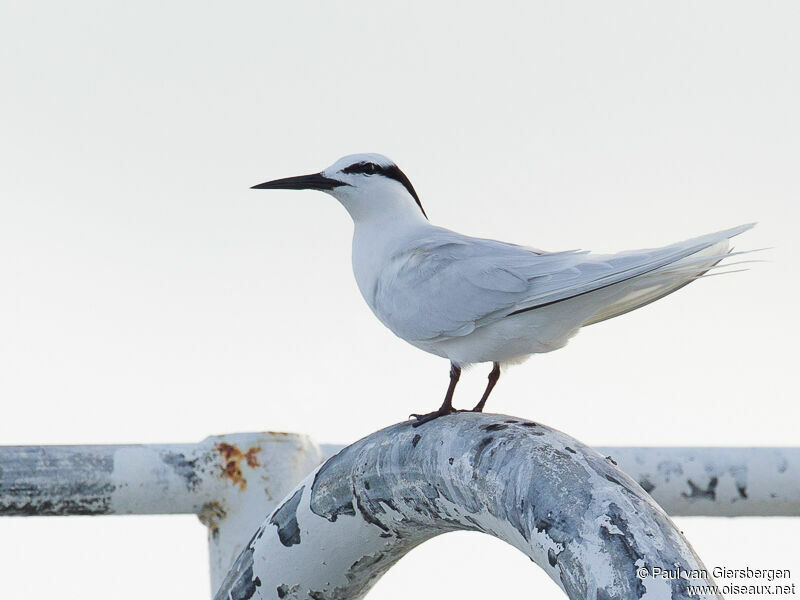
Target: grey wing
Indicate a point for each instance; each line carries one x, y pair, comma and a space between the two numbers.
451, 284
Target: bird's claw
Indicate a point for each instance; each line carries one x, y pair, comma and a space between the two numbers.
425, 418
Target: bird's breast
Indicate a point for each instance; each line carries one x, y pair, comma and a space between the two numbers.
369, 260
376, 263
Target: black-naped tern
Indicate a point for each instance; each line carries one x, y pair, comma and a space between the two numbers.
473, 300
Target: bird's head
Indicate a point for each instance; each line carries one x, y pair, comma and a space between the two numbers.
367, 185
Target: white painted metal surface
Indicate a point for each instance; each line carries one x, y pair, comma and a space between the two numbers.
569, 509
706, 481
716, 482
232, 481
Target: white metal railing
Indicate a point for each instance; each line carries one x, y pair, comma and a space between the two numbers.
231, 482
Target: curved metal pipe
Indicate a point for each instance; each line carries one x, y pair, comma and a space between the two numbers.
573, 512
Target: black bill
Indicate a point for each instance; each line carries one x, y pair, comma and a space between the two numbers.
315, 181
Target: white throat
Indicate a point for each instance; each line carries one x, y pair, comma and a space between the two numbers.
384, 201
386, 223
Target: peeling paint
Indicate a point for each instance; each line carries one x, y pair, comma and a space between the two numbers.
647, 485
495, 427
571, 511
480, 448
396, 509
184, 468
669, 468
285, 519
284, 591
46, 507
696, 492
624, 552
240, 584
331, 496
551, 557
77, 483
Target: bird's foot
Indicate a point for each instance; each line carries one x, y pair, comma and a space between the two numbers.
421, 419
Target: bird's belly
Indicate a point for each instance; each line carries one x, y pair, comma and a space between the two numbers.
510, 340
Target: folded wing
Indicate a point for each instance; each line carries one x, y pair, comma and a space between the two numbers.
452, 284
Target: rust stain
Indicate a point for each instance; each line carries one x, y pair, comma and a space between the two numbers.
252, 456
228, 451
210, 515
232, 458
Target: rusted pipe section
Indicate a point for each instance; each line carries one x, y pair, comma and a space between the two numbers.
569, 509
229, 481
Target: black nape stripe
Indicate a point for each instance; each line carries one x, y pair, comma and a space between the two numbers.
392, 172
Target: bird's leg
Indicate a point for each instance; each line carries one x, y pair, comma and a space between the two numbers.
493, 377
447, 406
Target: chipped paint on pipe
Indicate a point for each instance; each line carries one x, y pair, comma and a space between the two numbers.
729, 482
229, 481
573, 512
707, 481
258, 472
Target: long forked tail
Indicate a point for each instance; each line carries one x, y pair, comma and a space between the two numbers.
699, 257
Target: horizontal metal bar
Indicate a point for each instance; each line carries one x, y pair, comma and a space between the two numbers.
716, 482
189, 478
137, 479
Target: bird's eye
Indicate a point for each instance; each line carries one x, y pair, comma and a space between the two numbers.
367, 168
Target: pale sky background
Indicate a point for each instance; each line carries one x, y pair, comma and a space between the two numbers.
147, 295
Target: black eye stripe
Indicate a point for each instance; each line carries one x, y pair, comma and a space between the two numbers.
367, 168
392, 172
